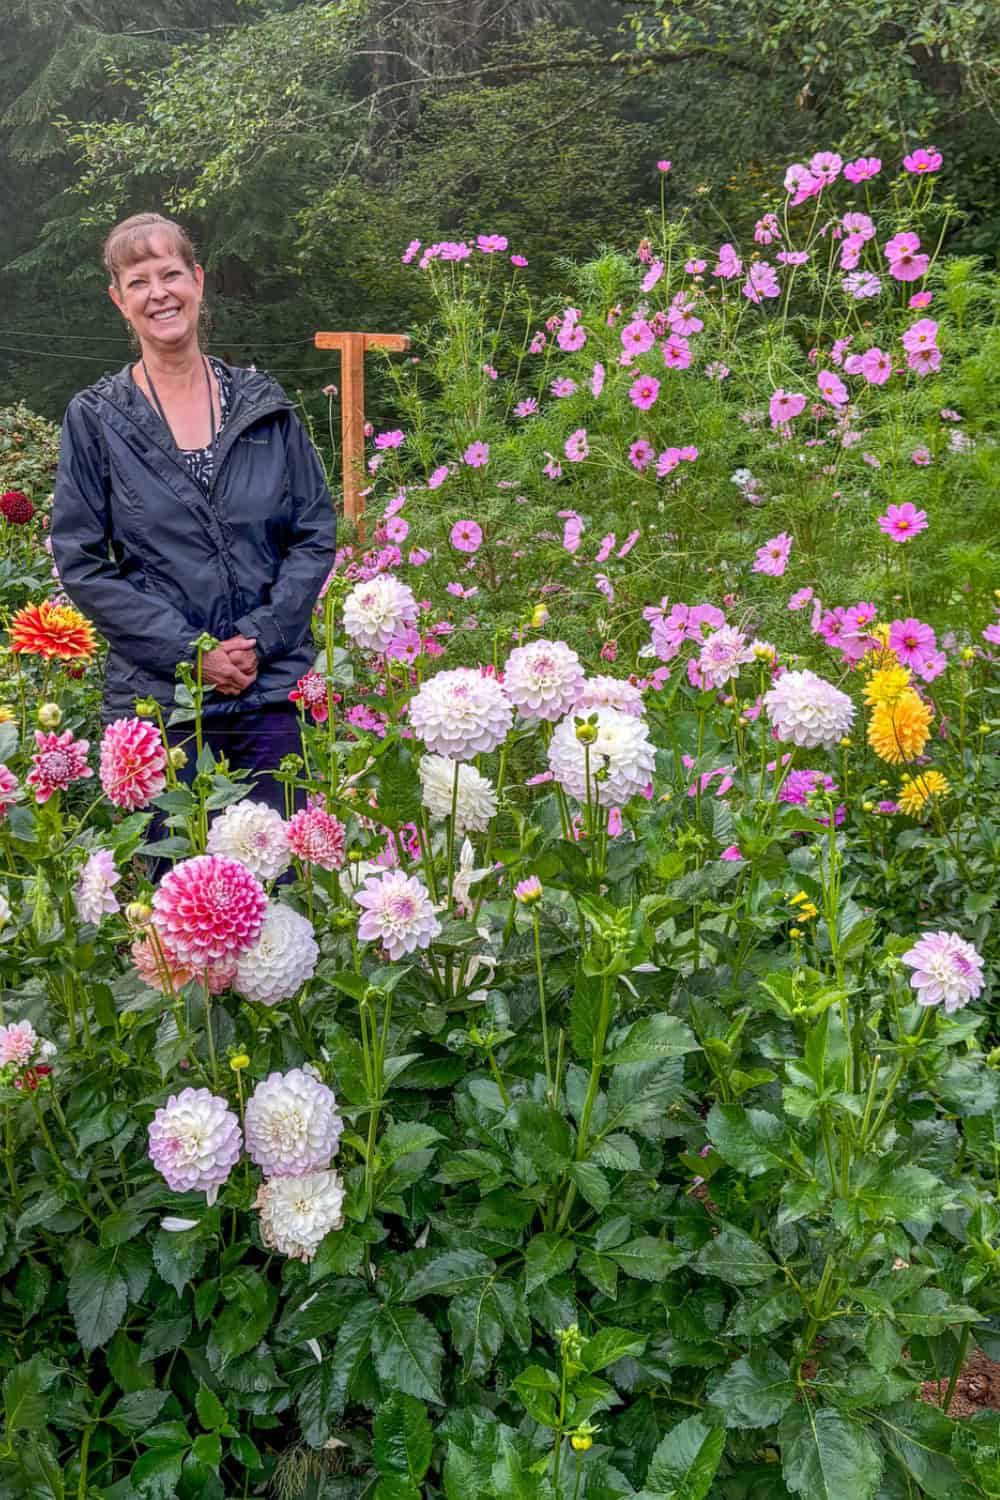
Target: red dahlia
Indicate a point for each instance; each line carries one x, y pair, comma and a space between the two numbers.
16, 508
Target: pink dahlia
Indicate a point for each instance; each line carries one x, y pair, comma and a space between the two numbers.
542, 680
210, 907
158, 967
772, 558
8, 791
722, 655
133, 761
461, 714
903, 521
94, 894
609, 692
194, 1142
57, 763
17, 1043
316, 837
310, 691
807, 710
946, 970
397, 912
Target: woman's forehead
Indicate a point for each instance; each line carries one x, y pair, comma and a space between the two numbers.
151, 250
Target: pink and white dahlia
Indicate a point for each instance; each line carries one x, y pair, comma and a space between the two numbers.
210, 907
282, 959
8, 791
722, 655
194, 1142
94, 893
292, 1125
18, 1043
158, 967
311, 692
297, 1213
476, 802
461, 714
133, 763
609, 692
807, 710
316, 837
946, 970
376, 611
397, 912
255, 834
58, 761
621, 759
543, 679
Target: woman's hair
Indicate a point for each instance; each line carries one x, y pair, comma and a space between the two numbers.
131, 240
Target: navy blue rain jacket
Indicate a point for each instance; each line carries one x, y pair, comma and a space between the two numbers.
153, 562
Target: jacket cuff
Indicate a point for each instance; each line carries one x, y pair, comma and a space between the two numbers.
262, 626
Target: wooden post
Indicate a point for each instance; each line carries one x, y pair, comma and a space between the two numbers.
353, 348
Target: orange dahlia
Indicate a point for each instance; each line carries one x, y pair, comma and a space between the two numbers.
49, 630
899, 731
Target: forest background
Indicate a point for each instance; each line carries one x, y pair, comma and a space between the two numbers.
305, 143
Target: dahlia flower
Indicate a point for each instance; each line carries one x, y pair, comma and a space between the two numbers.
292, 1125
621, 758
282, 959
297, 1213
158, 967
94, 895
133, 762
194, 1142
209, 907
476, 802
57, 763
543, 679
254, 834
946, 969
460, 714
310, 691
609, 692
722, 655
887, 685
16, 508
18, 1043
8, 791
377, 610
899, 731
916, 791
52, 630
808, 711
397, 913
316, 837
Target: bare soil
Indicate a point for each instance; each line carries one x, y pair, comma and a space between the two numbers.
976, 1389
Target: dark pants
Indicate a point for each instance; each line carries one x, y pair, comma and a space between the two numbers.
255, 740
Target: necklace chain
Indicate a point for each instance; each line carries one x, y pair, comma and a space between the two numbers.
159, 405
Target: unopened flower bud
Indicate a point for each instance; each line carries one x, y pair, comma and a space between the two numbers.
846, 742
528, 892
795, 932
239, 1061
581, 1442
138, 914
146, 708
586, 733
539, 616
50, 716
868, 806
177, 757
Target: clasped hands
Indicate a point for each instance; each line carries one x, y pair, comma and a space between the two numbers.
232, 666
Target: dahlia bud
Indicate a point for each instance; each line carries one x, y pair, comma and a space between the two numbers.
581, 1442
539, 616
239, 1061
586, 731
205, 642
868, 806
845, 742
50, 716
968, 653
145, 708
177, 757
528, 892
795, 932
138, 914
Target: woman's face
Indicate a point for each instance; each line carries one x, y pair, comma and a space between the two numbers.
160, 296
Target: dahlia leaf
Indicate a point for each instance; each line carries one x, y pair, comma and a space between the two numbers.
98, 1296
408, 1353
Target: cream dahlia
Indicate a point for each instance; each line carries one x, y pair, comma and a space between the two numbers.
194, 1142
316, 837
621, 758
282, 959
256, 835
209, 907
476, 803
543, 679
133, 762
94, 893
461, 714
297, 1213
807, 710
609, 692
292, 1125
397, 913
378, 610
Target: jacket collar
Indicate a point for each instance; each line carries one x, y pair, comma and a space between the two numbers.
255, 387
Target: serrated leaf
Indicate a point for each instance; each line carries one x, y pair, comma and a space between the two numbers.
609, 1345
686, 1460
546, 1255
647, 1258
751, 1140
400, 1140
25, 1405
541, 1134
137, 1411
652, 1040
211, 1412
826, 1455
402, 1438
754, 1392
178, 1257
477, 1328
920, 1438
97, 1295
591, 1184
408, 1353
448, 1274
734, 1257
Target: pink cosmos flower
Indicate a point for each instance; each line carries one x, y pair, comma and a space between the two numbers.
575, 447
902, 522
392, 439
438, 477
767, 229
904, 262
58, 761
876, 366
572, 529
840, 347
925, 361
991, 634
641, 454
597, 379
477, 455
571, 336
859, 224
772, 558
652, 276
832, 388
785, 405
637, 336
862, 169
921, 457
922, 161
728, 264
209, 907
526, 408
537, 344
932, 667
793, 257
628, 544
410, 252
912, 641
717, 371
418, 556
676, 352
663, 166
644, 391
722, 655
553, 469
921, 299
801, 183
564, 386
397, 529
825, 166
861, 284
518, 260
466, 536
921, 335
606, 548
762, 281
800, 598
490, 244
695, 267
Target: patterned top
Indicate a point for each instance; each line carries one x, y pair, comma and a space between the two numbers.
200, 462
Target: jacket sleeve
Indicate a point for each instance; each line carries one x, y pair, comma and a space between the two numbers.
145, 629
283, 623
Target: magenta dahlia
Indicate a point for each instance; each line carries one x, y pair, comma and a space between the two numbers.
133, 762
58, 761
209, 908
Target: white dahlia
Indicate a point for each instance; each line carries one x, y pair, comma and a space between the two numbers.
255, 834
377, 611
621, 758
807, 710
543, 679
297, 1213
282, 958
194, 1142
477, 800
292, 1125
461, 714
609, 692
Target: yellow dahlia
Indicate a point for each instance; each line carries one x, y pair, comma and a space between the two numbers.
899, 731
916, 791
52, 630
880, 657
6, 713
887, 685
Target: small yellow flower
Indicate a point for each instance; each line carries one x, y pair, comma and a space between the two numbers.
968, 654
916, 791
887, 685
805, 910
845, 743
795, 932
899, 731
6, 713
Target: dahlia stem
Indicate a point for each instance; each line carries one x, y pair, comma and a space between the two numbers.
451, 836
210, 1036
540, 973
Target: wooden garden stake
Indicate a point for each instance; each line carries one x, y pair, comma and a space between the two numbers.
353, 347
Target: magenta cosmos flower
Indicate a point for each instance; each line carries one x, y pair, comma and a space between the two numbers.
637, 337
644, 391
785, 405
466, 536
913, 641
575, 447
194, 1142
59, 760
397, 912
946, 970
477, 455
209, 908
133, 763
876, 366
862, 169
902, 522
772, 558
922, 161
905, 264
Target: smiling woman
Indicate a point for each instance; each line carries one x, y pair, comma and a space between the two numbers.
190, 499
